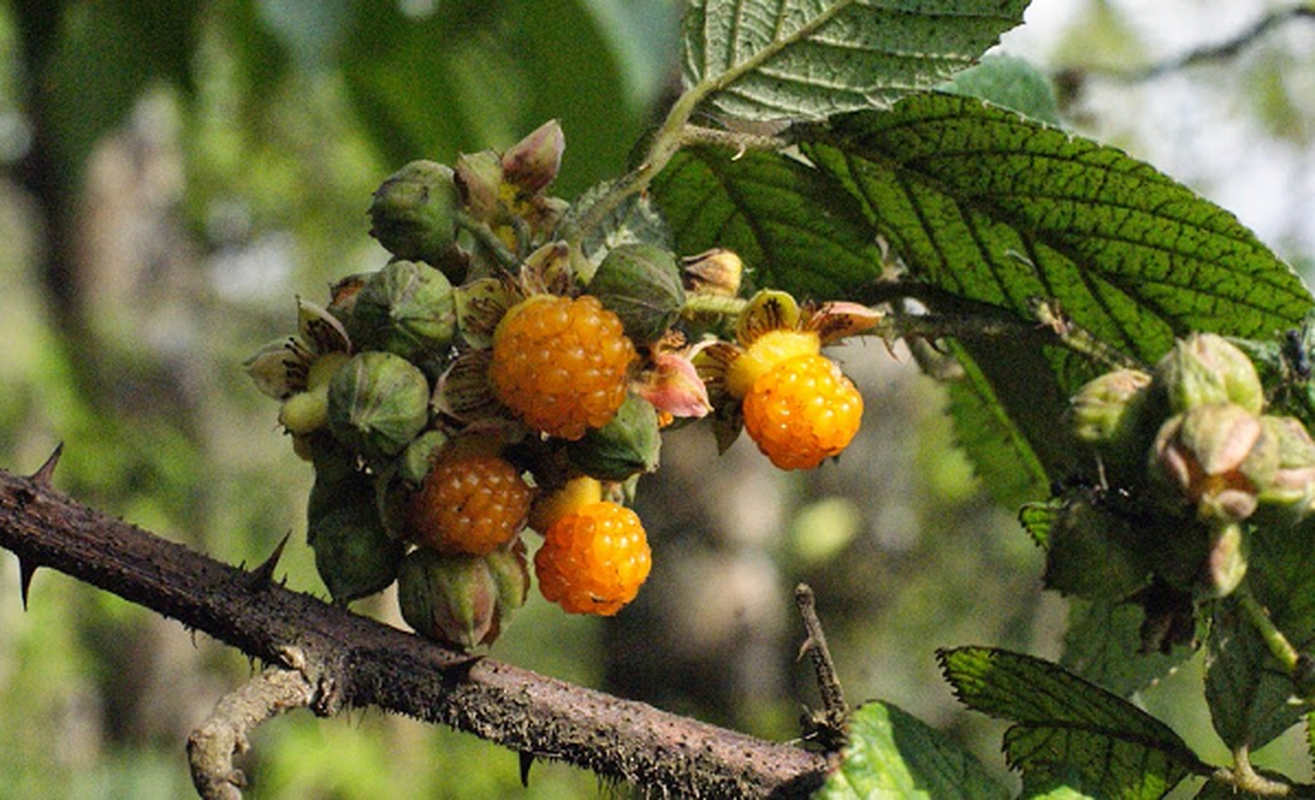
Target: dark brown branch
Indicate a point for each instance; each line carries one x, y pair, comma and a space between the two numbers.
356, 662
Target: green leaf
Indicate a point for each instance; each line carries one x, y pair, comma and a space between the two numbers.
1011, 83
999, 449
1249, 693
993, 207
788, 225
894, 754
998, 209
1062, 722
805, 59
1103, 645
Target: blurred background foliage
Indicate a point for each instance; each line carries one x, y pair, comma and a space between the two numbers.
172, 174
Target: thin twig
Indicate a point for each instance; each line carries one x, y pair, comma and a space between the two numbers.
1212, 52
828, 725
211, 747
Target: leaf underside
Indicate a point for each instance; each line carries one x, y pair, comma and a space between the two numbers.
810, 59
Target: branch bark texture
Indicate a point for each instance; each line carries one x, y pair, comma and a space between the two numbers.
357, 662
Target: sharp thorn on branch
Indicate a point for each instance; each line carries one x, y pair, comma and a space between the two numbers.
26, 569
527, 761
262, 577
47, 470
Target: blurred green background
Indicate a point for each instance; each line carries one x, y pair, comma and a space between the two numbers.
173, 174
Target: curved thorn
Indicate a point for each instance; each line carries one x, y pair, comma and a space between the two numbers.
26, 569
43, 475
262, 577
527, 761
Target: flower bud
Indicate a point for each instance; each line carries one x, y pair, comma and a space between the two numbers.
378, 403
1201, 455
1291, 484
354, 555
414, 211
1206, 368
717, 272
626, 446
1226, 564
641, 284
405, 308
532, 163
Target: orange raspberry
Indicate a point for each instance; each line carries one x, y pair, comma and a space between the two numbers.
561, 364
594, 560
469, 504
802, 411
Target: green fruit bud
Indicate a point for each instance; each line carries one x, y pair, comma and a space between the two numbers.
641, 284
1206, 368
407, 309
1104, 410
354, 556
511, 572
416, 460
305, 412
378, 403
627, 445
452, 599
414, 211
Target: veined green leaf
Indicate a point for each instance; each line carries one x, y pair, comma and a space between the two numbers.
994, 207
809, 59
1103, 642
1250, 695
1011, 83
1063, 722
790, 227
1000, 451
999, 209
894, 754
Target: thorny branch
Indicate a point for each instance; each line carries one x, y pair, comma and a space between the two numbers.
354, 662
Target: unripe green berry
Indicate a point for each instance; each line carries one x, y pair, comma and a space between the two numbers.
413, 214
378, 403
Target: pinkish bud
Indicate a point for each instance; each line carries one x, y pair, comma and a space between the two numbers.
532, 163
1201, 454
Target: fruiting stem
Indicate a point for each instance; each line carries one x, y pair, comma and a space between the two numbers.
488, 239
709, 305
830, 723
1244, 779
1283, 650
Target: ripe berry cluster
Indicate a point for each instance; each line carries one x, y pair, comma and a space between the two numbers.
496, 375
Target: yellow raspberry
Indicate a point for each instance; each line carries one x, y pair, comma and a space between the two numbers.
561, 364
802, 411
594, 560
469, 504
766, 352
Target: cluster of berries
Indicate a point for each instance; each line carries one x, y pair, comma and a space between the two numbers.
492, 377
